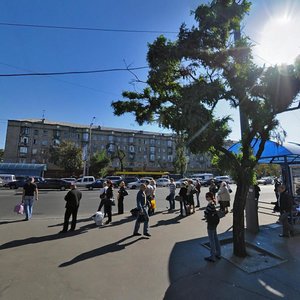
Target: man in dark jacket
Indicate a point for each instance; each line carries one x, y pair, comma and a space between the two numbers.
285, 202
72, 203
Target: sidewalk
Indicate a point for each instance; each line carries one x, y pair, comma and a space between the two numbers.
109, 263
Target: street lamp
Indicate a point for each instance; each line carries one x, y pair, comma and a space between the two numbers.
90, 147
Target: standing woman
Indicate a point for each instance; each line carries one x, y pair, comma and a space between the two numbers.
121, 194
183, 202
108, 201
30, 191
190, 194
213, 220
224, 197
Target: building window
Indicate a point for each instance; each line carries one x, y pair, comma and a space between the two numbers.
85, 137
23, 150
111, 138
24, 140
45, 132
152, 141
25, 130
152, 150
34, 141
169, 143
36, 132
152, 157
131, 139
44, 143
34, 151
170, 158
131, 149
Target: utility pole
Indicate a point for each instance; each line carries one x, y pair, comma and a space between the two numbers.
90, 147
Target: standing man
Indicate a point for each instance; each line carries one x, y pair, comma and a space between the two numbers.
141, 204
198, 191
72, 204
285, 207
30, 192
172, 188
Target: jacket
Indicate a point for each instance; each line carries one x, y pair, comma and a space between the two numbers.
73, 198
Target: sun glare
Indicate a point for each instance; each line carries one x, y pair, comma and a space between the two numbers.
279, 41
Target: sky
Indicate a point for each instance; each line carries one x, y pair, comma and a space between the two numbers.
84, 98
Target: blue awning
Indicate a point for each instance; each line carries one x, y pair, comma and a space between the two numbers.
273, 153
23, 169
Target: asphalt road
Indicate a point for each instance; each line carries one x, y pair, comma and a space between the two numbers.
51, 202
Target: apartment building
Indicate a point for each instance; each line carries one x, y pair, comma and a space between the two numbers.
28, 141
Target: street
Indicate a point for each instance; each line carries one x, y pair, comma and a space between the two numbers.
51, 202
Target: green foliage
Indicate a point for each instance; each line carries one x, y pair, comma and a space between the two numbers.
99, 164
66, 156
267, 170
180, 162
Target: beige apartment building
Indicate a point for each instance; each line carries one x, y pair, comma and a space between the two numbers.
28, 141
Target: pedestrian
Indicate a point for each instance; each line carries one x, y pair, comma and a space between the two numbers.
213, 188
121, 194
102, 196
141, 204
190, 195
109, 201
183, 203
30, 191
224, 197
277, 184
198, 191
172, 189
150, 195
286, 203
212, 219
72, 199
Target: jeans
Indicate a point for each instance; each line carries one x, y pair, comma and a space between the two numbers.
70, 211
146, 223
215, 248
287, 228
198, 200
172, 201
28, 205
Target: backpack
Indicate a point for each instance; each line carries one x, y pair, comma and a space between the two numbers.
213, 219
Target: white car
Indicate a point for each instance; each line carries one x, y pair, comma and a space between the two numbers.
163, 182
137, 184
265, 180
180, 181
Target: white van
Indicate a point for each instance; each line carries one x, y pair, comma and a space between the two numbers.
6, 178
203, 177
83, 181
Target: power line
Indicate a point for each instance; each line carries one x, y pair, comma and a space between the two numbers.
71, 72
84, 28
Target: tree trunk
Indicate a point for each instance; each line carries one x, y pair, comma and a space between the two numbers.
239, 245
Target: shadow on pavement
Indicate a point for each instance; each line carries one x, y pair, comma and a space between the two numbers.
113, 247
39, 239
175, 220
9, 222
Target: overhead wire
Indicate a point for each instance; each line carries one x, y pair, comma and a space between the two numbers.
85, 28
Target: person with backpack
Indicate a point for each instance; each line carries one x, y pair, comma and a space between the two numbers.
212, 219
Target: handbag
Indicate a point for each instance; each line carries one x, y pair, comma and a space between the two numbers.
178, 198
168, 198
141, 218
19, 209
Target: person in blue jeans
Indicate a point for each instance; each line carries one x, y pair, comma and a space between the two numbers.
30, 191
213, 220
141, 204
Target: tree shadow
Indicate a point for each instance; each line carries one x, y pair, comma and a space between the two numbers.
113, 247
39, 239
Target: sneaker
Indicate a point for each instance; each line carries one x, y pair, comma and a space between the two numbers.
147, 234
209, 259
136, 234
63, 231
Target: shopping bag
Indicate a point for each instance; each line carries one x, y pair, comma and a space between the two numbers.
153, 203
19, 209
98, 218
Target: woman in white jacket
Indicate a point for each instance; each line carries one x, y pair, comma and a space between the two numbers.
223, 197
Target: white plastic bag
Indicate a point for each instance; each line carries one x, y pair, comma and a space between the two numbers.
98, 218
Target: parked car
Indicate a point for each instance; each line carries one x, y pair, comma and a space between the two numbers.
266, 180
21, 181
163, 182
137, 184
180, 181
98, 184
116, 180
130, 179
219, 179
83, 181
69, 179
53, 184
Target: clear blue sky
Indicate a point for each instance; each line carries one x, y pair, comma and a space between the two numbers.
79, 98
